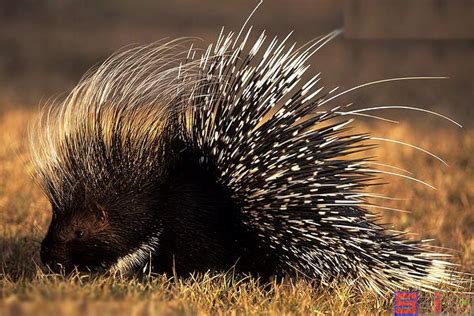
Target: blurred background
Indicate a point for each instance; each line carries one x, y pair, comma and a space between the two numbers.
46, 46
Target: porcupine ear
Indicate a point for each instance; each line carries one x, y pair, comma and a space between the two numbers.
102, 214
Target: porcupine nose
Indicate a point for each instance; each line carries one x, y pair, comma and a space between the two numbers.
51, 257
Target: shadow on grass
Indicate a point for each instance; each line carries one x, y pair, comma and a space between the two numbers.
19, 257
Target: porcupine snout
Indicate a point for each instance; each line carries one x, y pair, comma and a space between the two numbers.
54, 256
72, 242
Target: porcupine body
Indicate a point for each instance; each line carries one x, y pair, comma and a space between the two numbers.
205, 163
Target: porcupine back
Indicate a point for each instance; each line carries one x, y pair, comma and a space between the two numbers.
287, 162
284, 159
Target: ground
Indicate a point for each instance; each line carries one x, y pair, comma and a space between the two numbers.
445, 215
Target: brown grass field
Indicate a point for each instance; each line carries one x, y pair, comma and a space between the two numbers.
45, 46
445, 214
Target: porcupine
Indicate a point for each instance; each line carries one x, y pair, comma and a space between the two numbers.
224, 160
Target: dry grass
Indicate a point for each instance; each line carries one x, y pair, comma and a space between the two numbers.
446, 215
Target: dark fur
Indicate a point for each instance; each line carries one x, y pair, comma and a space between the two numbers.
200, 227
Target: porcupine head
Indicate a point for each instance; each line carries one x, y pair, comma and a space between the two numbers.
205, 160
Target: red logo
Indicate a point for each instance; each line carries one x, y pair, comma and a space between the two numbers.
437, 307
406, 304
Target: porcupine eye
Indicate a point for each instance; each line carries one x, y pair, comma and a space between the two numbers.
79, 233
99, 223
91, 225
75, 239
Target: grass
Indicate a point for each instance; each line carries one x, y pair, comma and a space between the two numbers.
445, 214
